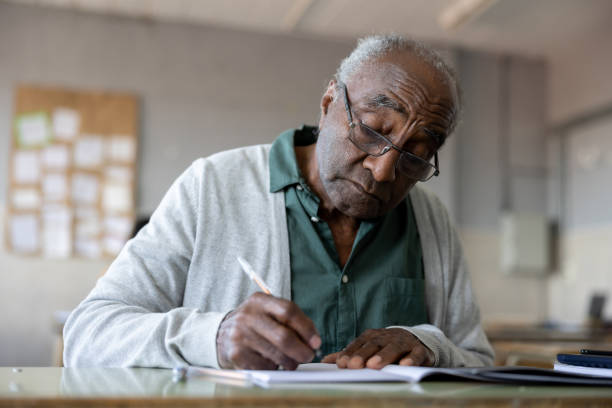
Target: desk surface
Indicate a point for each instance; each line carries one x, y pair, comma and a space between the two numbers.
142, 387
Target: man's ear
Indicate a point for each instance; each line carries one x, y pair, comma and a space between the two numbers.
328, 97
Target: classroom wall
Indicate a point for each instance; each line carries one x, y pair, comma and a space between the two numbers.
504, 122
586, 262
207, 89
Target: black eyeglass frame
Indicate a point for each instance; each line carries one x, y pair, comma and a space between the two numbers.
389, 144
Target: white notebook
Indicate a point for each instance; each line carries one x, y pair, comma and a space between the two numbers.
329, 373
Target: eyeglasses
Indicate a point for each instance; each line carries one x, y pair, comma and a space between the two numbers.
374, 144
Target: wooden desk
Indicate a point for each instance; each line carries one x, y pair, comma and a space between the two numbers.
141, 387
531, 345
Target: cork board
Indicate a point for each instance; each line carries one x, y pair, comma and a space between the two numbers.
72, 172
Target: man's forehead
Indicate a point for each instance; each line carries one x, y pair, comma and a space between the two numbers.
385, 82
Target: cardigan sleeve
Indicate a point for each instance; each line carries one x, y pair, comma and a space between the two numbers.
134, 314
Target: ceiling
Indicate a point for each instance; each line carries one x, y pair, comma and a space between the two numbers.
540, 28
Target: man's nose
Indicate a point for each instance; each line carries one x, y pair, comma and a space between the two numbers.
382, 167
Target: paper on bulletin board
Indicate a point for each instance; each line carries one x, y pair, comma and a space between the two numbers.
55, 186
57, 234
89, 151
26, 166
88, 248
113, 245
88, 227
24, 233
119, 174
25, 198
32, 129
117, 197
66, 123
118, 226
56, 157
85, 188
121, 148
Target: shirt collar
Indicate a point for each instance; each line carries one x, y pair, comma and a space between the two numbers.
284, 170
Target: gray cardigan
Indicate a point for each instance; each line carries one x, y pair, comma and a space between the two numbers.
161, 301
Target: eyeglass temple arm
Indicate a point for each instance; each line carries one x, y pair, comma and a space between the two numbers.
346, 105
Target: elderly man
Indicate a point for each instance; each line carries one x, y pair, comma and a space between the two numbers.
362, 265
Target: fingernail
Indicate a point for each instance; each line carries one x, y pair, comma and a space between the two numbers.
356, 362
407, 361
375, 360
315, 342
342, 361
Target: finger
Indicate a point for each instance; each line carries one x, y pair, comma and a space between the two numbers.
330, 358
345, 354
262, 346
284, 339
359, 357
247, 359
416, 357
290, 315
387, 355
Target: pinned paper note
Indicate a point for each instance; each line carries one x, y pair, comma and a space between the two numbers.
32, 129
55, 186
121, 149
88, 227
57, 237
26, 166
88, 248
66, 123
119, 174
113, 245
118, 226
117, 197
24, 233
89, 151
55, 157
82, 212
26, 198
85, 188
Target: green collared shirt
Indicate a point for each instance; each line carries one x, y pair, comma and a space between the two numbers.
382, 282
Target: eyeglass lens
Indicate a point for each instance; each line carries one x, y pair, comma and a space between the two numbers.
374, 144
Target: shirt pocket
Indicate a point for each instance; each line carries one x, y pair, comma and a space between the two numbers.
404, 302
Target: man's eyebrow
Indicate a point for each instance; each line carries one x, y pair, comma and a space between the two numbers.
383, 101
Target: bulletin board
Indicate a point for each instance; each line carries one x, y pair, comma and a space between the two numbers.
72, 172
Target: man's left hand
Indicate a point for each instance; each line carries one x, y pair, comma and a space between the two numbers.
376, 348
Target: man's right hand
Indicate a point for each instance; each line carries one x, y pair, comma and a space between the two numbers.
264, 333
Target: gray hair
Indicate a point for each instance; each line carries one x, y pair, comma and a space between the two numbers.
377, 46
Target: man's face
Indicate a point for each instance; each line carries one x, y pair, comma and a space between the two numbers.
402, 98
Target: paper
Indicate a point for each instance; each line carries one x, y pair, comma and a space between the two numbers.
55, 157
66, 124
24, 233
32, 129
88, 227
26, 167
119, 174
113, 245
596, 371
85, 188
121, 149
117, 197
118, 226
55, 186
89, 152
25, 198
57, 237
88, 248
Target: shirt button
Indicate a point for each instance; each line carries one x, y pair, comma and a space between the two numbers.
344, 278
314, 219
299, 187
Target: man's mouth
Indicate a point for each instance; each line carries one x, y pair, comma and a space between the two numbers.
364, 191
